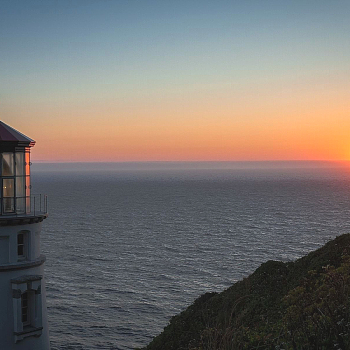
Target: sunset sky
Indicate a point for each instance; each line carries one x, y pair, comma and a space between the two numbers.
113, 80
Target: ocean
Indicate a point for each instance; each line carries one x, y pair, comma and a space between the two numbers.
129, 245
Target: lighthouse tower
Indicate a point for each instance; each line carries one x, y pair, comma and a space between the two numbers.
23, 317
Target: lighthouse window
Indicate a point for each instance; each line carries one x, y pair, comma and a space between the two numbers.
8, 191
7, 164
28, 186
20, 164
21, 245
25, 309
20, 186
16, 188
8, 187
20, 205
27, 162
20, 194
27, 180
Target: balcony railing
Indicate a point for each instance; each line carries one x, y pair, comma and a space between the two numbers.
38, 204
34, 205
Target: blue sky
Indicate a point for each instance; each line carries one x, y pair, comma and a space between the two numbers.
89, 45
69, 53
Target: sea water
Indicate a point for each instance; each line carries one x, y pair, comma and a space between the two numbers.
129, 245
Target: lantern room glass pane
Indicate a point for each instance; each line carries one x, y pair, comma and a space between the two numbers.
20, 205
20, 186
20, 163
8, 187
27, 163
7, 164
8, 205
28, 208
27, 186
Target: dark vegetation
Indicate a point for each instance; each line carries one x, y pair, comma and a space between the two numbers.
297, 305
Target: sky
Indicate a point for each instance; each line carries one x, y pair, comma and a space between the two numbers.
127, 80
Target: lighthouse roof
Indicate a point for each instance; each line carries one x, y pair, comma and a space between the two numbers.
9, 134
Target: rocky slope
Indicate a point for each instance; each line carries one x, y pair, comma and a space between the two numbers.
297, 305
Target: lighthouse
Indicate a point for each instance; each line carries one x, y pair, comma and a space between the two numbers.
23, 316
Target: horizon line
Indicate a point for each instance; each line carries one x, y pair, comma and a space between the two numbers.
195, 161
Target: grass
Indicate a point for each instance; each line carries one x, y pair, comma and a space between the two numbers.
297, 305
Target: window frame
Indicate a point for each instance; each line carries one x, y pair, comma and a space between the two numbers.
25, 309
18, 164
27, 288
23, 245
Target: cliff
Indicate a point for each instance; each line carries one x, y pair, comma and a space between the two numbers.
296, 305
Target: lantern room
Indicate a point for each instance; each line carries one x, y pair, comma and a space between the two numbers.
23, 316
14, 172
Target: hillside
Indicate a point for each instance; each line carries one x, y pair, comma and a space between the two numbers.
296, 305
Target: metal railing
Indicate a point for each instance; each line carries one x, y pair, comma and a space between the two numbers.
38, 204
34, 205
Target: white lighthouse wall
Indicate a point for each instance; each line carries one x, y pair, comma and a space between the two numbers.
11, 268
10, 233
4, 250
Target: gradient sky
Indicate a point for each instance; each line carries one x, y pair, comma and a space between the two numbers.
112, 80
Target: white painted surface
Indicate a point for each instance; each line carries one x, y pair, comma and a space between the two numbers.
8, 248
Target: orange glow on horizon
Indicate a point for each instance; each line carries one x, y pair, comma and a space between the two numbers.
302, 122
